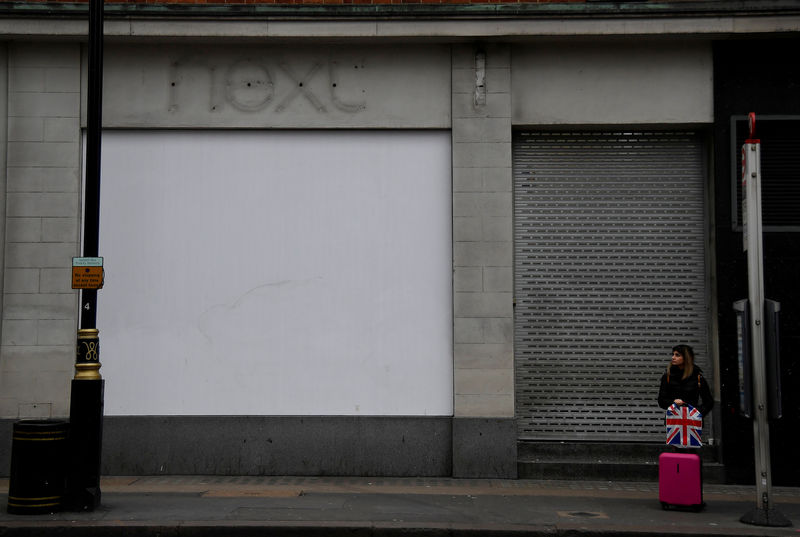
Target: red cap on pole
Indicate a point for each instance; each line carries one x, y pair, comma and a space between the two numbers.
751, 121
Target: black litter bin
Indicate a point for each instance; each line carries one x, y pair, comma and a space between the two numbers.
39, 453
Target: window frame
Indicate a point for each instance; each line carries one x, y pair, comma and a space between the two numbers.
735, 156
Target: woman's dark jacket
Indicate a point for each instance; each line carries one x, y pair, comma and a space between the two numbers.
693, 389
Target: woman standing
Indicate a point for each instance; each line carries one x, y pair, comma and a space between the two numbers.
683, 383
680, 475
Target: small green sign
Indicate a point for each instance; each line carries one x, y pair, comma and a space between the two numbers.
87, 261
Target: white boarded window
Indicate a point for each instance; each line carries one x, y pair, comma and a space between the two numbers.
276, 273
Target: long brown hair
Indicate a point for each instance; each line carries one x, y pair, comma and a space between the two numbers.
688, 359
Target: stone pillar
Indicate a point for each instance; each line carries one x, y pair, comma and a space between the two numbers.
484, 431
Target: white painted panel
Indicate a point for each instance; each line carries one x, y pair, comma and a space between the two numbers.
613, 83
276, 273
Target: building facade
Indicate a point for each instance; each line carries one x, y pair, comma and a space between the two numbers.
391, 239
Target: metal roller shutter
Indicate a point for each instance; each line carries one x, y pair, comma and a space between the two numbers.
609, 274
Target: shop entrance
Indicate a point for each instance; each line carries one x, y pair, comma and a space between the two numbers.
610, 272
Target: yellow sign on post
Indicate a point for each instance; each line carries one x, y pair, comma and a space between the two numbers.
87, 273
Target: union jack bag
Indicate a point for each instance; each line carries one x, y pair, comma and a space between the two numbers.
684, 426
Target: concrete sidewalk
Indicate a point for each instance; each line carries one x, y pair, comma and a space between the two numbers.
275, 506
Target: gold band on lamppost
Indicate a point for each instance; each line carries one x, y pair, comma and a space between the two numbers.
87, 357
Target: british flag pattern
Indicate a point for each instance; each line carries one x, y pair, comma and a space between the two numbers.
684, 426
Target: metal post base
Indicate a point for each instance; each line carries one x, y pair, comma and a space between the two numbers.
86, 438
79, 500
766, 517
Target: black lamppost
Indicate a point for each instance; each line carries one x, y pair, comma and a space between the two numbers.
86, 401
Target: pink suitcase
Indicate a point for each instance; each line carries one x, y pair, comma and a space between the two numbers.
680, 482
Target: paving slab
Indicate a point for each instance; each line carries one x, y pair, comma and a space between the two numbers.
356, 506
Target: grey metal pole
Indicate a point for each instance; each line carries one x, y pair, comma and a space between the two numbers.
764, 513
